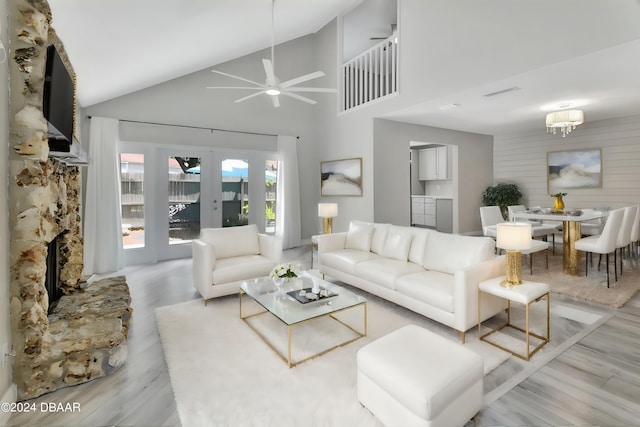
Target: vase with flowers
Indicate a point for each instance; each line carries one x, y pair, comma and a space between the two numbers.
558, 203
284, 274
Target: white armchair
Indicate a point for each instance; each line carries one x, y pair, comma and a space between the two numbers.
224, 257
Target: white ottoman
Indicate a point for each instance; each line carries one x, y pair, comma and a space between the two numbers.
413, 377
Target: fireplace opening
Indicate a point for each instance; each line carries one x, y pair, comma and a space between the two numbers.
51, 282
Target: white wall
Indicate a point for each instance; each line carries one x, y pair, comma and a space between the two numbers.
470, 178
522, 159
186, 101
5, 322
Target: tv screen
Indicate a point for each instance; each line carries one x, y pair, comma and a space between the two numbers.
58, 97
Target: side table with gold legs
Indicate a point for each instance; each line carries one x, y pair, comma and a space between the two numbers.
526, 293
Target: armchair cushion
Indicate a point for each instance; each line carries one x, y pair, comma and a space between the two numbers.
232, 241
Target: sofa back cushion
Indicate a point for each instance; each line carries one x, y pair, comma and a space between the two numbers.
418, 244
379, 237
359, 236
397, 244
232, 241
448, 253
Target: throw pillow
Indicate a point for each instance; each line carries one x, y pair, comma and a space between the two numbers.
359, 236
397, 244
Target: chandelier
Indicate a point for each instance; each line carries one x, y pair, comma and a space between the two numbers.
566, 120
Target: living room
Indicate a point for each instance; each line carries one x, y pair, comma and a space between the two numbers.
380, 133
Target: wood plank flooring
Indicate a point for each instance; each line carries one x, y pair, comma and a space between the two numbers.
594, 382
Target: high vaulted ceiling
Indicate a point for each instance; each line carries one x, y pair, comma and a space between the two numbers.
120, 46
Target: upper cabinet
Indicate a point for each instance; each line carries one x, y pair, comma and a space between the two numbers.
433, 164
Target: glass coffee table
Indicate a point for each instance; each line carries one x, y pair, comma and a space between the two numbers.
294, 308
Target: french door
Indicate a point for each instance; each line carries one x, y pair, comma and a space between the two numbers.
170, 194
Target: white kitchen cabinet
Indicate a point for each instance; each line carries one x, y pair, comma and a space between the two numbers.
433, 163
423, 211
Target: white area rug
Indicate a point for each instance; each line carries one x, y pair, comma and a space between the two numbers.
223, 374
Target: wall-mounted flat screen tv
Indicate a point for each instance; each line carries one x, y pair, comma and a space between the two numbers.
58, 97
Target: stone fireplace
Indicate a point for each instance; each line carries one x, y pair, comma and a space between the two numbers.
85, 335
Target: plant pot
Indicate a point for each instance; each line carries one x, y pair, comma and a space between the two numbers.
558, 204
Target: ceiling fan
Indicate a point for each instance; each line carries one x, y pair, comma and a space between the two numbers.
273, 86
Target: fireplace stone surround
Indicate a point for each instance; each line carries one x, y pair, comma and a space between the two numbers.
85, 336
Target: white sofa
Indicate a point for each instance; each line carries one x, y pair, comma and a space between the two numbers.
434, 274
224, 257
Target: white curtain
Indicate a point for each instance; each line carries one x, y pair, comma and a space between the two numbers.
103, 251
288, 222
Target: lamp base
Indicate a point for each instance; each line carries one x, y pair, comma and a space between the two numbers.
514, 269
327, 225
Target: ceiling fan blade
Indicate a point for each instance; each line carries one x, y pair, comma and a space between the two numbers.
232, 87
301, 79
312, 89
250, 96
237, 77
268, 70
276, 101
298, 97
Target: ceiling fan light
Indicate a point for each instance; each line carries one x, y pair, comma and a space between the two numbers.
273, 92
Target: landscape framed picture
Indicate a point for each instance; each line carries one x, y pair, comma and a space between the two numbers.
341, 177
574, 169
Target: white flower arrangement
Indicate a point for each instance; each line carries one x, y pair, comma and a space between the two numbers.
285, 270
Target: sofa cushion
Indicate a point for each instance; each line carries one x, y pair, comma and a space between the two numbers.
232, 241
418, 243
359, 236
448, 253
346, 259
380, 232
431, 287
397, 244
241, 268
385, 271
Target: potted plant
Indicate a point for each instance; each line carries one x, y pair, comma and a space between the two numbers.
502, 195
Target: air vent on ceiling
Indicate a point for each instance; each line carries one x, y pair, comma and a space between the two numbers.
500, 92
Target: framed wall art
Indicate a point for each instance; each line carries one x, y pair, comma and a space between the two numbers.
574, 169
341, 177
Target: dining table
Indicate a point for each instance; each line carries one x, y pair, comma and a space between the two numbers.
571, 221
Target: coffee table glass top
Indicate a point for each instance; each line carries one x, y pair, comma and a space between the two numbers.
276, 300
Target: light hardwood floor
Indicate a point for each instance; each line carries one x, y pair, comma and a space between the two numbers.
594, 382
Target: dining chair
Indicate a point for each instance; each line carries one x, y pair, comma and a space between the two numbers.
490, 216
624, 235
604, 243
635, 234
521, 208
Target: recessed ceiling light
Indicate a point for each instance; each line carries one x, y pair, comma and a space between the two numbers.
273, 92
448, 107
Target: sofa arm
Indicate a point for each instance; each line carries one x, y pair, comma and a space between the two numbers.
330, 242
270, 247
466, 288
204, 261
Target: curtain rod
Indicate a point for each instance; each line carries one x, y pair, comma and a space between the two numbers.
196, 127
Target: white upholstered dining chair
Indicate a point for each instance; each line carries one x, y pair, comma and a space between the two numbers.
603, 244
624, 235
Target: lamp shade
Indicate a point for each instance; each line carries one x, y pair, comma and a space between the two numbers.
327, 210
513, 236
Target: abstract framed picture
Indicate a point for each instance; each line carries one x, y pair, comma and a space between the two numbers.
341, 177
574, 169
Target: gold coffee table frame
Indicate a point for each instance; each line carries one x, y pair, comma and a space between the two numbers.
286, 358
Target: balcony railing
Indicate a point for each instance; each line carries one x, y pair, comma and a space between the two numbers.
370, 76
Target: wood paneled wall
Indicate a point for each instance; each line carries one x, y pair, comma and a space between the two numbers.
522, 159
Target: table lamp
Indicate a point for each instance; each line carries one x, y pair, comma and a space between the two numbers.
513, 237
327, 211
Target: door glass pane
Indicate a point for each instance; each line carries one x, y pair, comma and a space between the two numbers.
132, 199
184, 199
270, 180
235, 192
